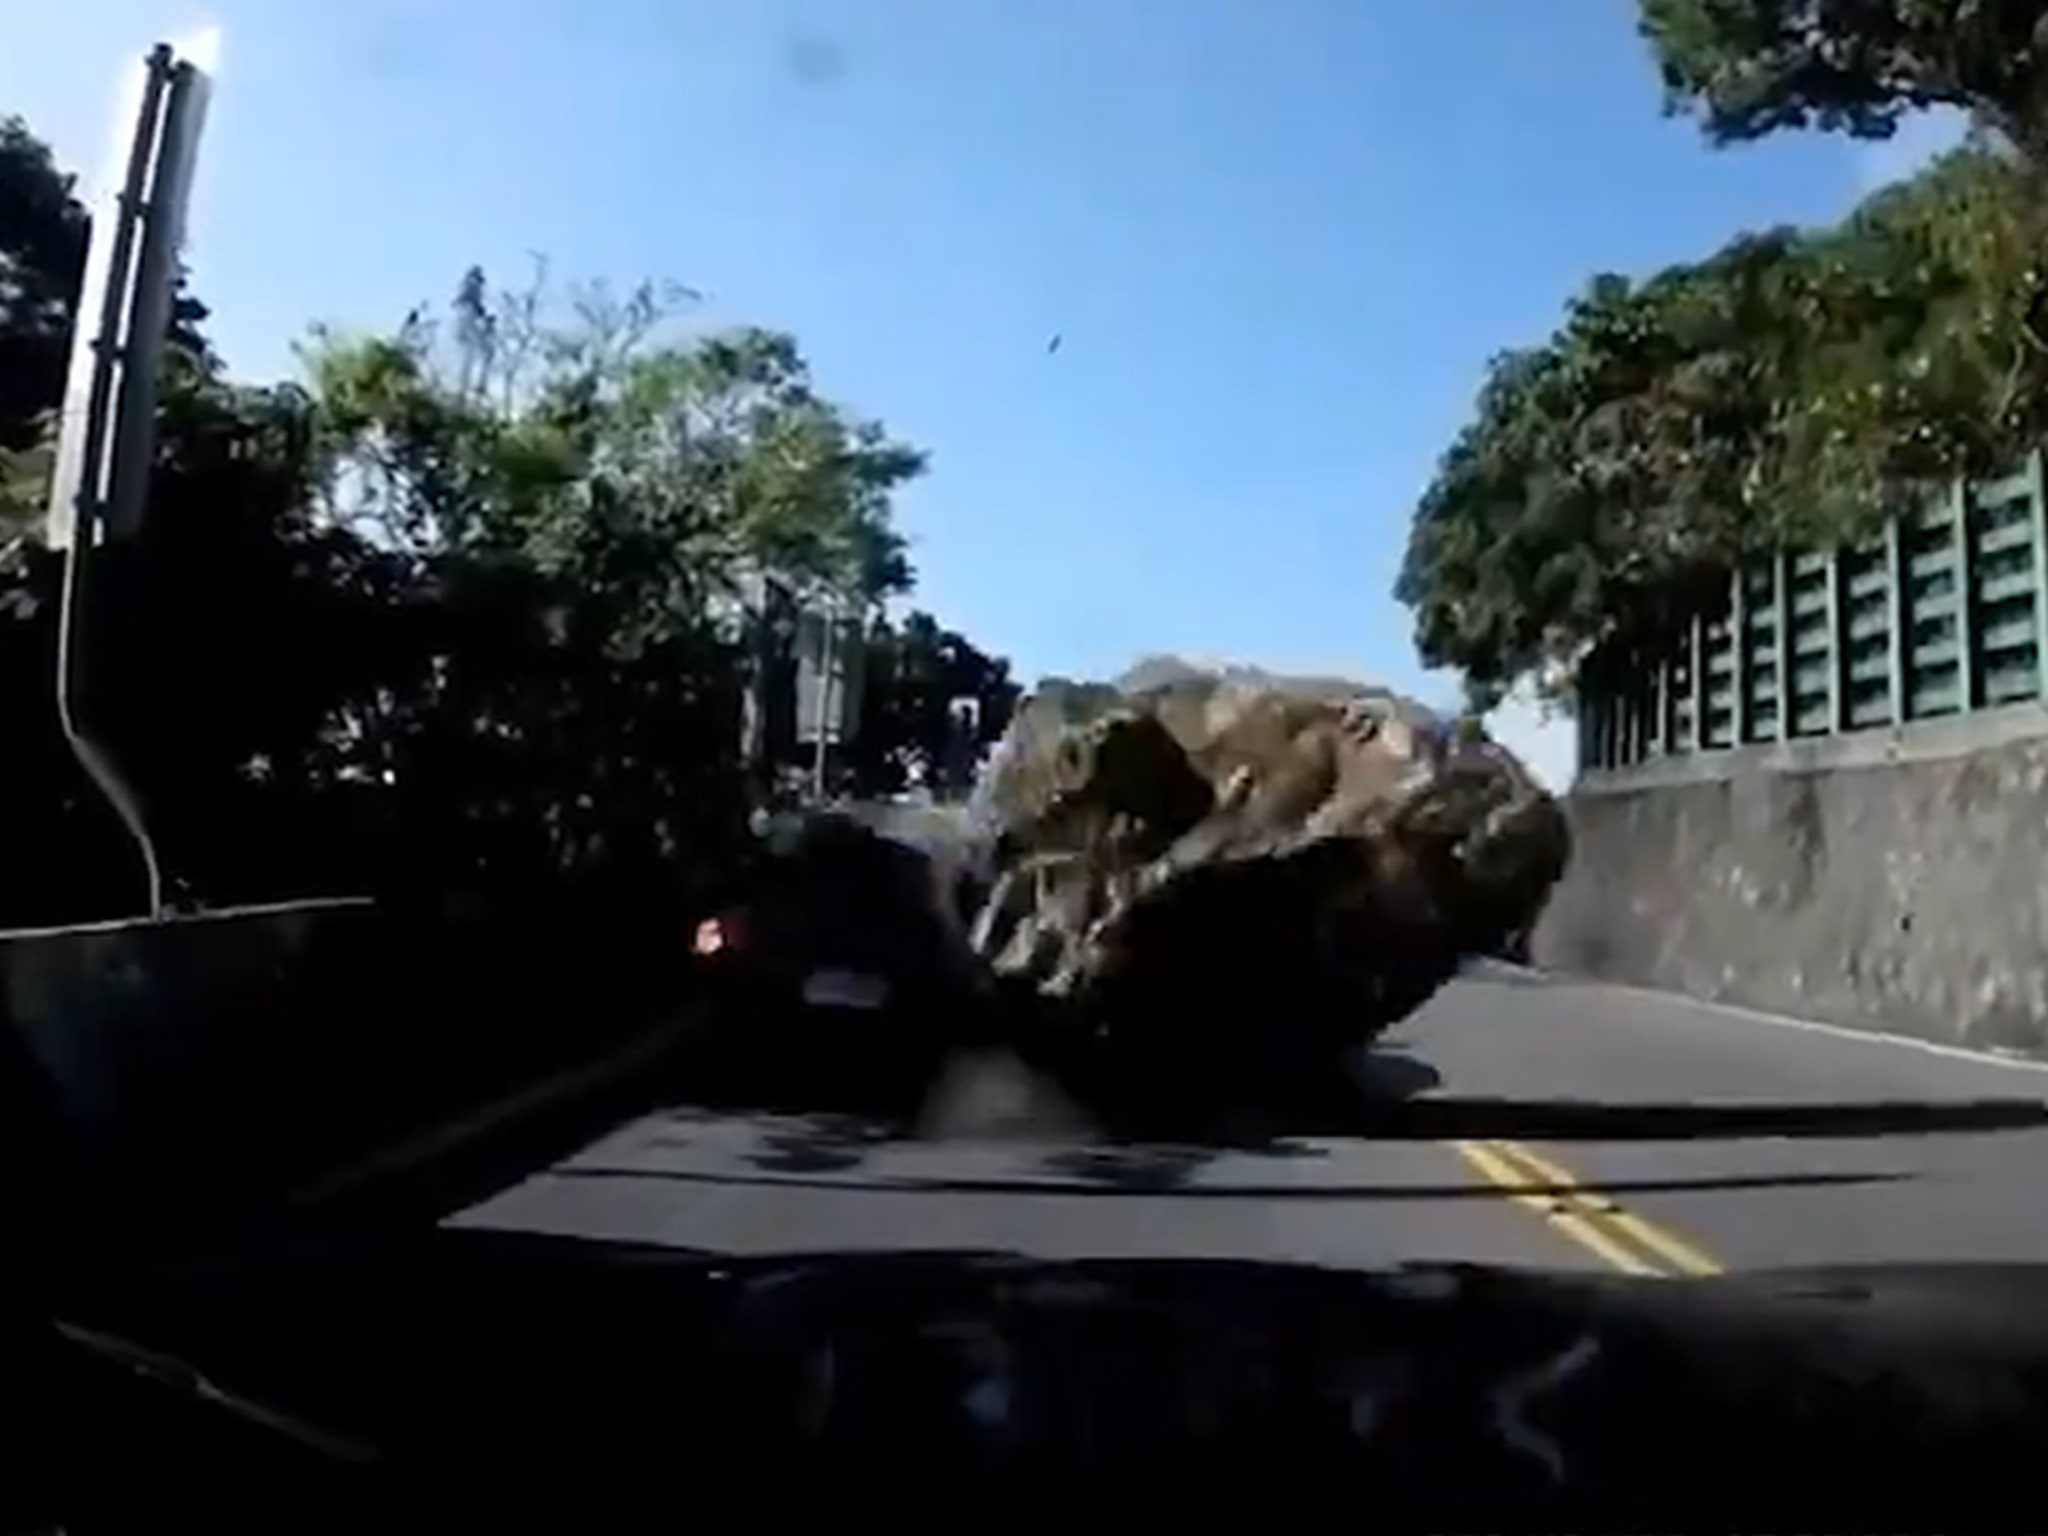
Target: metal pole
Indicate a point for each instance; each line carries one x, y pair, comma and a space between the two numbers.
827, 652
156, 291
80, 488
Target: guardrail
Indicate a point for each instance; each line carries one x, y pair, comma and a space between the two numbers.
1944, 614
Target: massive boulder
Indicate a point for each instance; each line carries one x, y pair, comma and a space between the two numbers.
1277, 868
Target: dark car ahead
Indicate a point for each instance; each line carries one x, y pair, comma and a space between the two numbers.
843, 950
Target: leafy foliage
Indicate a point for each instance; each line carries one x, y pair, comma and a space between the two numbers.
921, 681
42, 259
1792, 389
43, 229
602, 453
1746, 68
459, 616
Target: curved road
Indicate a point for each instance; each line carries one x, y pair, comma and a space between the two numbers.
1011, 1174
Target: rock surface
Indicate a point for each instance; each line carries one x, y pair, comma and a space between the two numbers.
1225, 855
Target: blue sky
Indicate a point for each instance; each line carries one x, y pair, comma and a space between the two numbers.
1278, 238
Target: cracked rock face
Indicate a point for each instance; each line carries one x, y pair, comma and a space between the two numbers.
1229, 839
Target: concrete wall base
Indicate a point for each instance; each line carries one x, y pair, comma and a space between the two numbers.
1895, 881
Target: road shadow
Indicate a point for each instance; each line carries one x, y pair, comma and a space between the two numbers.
774, 1068
1457, 1117
1385, 1093
1117, 1125
1168, 1172
1504, 973
818, 1144
1387, 1073
1157, 1168
1467, 1118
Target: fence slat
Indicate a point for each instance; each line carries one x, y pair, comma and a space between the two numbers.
1700, 740
1968, 684
1781, 619
1946, 613
2037, 524
1895, 622
1738, 659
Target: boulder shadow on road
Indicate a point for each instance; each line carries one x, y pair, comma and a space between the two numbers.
1392, 1074
812, 1144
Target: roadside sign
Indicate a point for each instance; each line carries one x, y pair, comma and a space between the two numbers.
830, 673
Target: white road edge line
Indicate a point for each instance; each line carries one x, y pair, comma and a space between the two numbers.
2017, 1061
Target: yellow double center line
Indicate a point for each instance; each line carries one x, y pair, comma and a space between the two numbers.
1585, 1216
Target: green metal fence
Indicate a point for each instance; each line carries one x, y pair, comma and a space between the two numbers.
1946, 612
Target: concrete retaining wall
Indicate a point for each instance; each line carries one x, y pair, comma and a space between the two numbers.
1894, 880
150, 1036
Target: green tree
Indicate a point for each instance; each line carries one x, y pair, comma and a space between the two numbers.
601, 493
1745, 68
659, 472
932, 703
457, 614
42, 259
1791, 389
43, 235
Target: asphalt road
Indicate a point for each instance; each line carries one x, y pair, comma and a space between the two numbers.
1007, 1166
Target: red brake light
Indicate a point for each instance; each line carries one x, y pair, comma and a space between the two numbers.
715, 936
